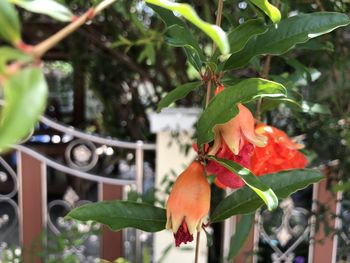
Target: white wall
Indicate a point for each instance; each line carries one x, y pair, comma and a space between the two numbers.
170, 157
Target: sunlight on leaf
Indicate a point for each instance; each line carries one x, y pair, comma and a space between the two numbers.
222, 107
262, 190
46, 7
213, 31
286, 35
284, 183
25, 96
10, 28
270, 10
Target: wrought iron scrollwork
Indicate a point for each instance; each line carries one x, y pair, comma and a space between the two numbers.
284, 230
9, 214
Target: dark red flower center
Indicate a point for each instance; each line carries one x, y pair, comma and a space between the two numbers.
182, 235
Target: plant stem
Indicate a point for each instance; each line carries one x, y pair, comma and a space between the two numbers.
218, 23
197, 247
40, 49
320, 5
208, 93
265, 74
218, 18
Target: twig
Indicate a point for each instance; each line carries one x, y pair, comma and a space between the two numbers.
218, 23
218, 19
320, 5
208, 93
265, 74
40, 49
197, 247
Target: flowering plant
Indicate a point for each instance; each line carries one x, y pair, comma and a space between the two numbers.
237, 149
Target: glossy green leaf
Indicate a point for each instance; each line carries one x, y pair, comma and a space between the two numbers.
261, 189
213, 31
10, 29
284, 183
222, 107
25, 95
181, 37
46, 7
270, 10
177, 93
240, 236
239, 37
8, 54
122, 214
193, 58
284, 36
167, 16
317, 45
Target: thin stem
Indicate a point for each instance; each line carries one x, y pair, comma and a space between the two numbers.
208, 93
40, 49
197, 247
218, 18
218, 23
265, 74
320, 5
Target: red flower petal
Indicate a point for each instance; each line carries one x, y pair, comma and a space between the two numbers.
182, 235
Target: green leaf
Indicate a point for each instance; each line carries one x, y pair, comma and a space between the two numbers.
213, 31
25, 95
46, 7
10, 28
181, 37
8, 54
284, 183
239, 37
316, 45
284, 36
167, 16
271, 11
240, 236
222, 107
177, 93
121, 214
261, 189
193, 58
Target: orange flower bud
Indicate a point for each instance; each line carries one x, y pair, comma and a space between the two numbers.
188, 203
236, 131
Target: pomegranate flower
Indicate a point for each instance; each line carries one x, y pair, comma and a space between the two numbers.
236, 131
188, 203
280, 153
224, 177
234, 141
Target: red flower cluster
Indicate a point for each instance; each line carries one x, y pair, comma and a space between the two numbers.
264, 149
234, 140
279, 154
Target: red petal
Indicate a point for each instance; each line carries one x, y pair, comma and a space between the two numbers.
182, 235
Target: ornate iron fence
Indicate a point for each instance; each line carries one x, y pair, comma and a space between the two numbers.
24, 206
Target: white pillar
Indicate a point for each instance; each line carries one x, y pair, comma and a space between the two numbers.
171, 158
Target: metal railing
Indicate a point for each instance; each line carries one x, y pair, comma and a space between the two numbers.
33, 193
